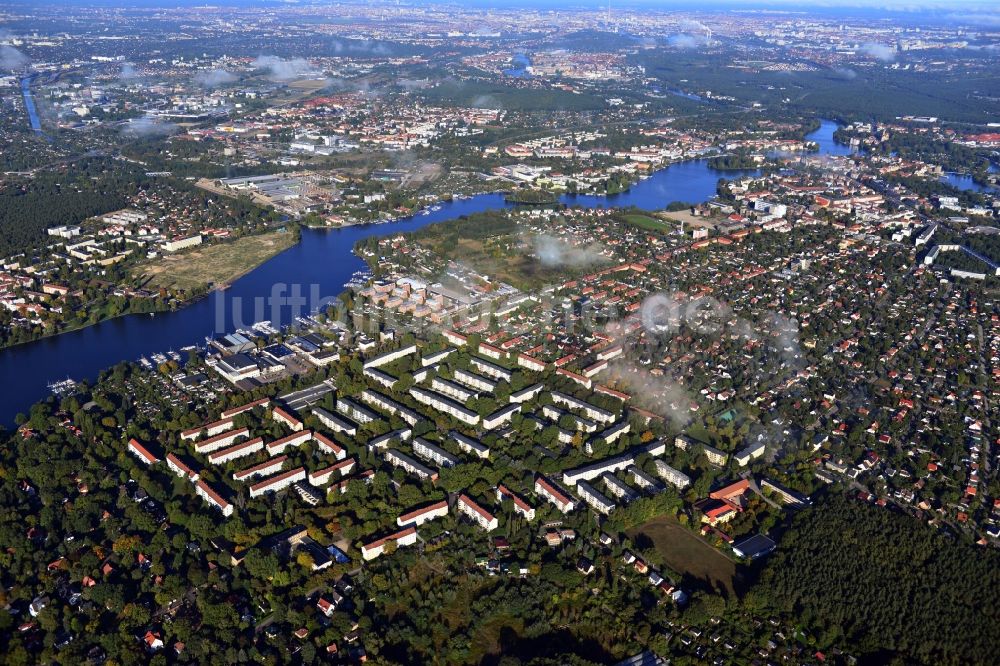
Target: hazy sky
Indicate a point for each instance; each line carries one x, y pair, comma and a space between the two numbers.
987, 11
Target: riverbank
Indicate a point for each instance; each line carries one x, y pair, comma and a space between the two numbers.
213, 266
80, 327
322, 263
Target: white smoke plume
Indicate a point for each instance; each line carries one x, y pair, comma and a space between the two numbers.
128, 72
692, 35
845, 73
213, 78
11, 58
280, 69
486, 102
355, 46
410, 85
554, 252
880, 52
784, 338
686, 41
660, 395
148, 126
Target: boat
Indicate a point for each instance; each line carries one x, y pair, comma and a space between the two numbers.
62, 387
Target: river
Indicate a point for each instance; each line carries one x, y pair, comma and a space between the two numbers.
29, 104
964, 181
319, 265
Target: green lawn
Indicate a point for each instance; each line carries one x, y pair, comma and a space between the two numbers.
647, 222
688, 554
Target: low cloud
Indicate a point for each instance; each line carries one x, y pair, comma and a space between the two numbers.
11, 58
880, 52
414, 84
554, 252
845, 73
359, 47
486, 102
976, 19
658, 394
280, 69
687, 41
784, 339
213, 78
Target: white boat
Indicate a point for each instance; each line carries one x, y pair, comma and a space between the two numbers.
62, 387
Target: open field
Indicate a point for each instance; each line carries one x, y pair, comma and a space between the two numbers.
688, 554
214, 265
690, 220
520, 271
649, 223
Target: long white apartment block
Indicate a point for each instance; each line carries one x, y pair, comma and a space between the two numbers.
405, 537
520, 505
526, 394
266, 468
591, 411
491, 369
336, 422
278, 482
453, 390
436, 357
394, 437
478, 514
501, 417
444, 404
380, 377
418, 517
209, 494
595, 498
242, 450
553, 493
611, 464
390, 406
390, 357
180, 468
405, 462
296, 439
221, 441
356, 411
434, 453
328, 446
470, 445
321, 477
210, 429
475, 381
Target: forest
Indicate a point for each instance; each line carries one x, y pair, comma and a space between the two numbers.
92, 187
887, 584
861, 93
